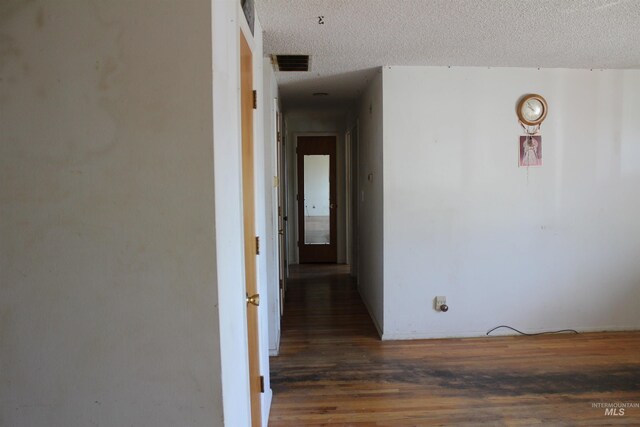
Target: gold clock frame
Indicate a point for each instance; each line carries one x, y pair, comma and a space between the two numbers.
529, 97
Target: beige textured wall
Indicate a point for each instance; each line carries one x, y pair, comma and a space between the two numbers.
108, 299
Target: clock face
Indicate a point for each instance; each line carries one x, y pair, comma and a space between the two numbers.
532, 109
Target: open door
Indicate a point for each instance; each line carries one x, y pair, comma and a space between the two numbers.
317, 221
250, 239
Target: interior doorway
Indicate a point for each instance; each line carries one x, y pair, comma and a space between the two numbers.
281, 162
317, 215
249, 223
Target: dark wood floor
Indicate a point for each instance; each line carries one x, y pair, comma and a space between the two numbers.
334, 370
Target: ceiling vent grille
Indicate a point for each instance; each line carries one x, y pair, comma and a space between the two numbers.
292, 62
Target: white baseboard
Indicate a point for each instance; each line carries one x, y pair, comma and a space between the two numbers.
275, 351
267, 397
399, 336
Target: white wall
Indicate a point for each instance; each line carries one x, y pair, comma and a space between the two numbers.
538, 249
108, 296
269, 100
305, 122
370, 199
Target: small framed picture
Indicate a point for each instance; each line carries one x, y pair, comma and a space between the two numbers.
530, 151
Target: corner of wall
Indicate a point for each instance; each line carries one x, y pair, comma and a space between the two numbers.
370, 201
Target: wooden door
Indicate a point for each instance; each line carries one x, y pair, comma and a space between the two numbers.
317, 221
250, 240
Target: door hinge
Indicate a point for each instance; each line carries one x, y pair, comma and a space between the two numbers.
255, 99
278, 136
257, 245
261, 384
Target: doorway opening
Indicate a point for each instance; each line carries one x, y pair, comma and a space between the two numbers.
249, 225
317, 215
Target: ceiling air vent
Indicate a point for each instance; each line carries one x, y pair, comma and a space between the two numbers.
292, 62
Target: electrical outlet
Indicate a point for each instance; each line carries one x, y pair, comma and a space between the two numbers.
439, 302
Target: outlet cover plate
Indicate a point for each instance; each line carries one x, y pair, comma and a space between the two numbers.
438, 301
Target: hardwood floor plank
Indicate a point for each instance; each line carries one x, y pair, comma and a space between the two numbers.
334, 370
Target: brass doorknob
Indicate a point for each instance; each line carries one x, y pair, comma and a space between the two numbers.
253, 299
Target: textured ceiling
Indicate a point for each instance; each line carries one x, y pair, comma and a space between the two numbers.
360, 35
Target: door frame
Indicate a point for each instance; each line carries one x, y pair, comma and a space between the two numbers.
248, 170
330, 253
353, 197
281, 203
229, 287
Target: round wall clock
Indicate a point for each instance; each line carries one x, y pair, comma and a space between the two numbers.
532, 109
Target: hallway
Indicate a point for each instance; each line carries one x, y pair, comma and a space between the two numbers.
333, 369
